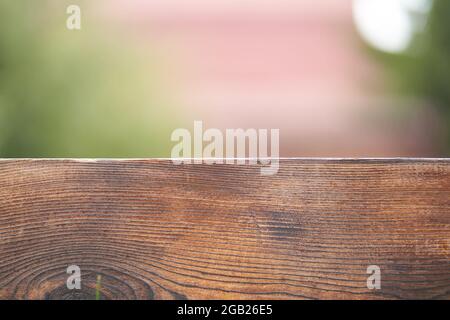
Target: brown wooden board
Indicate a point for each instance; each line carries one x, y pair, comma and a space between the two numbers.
155, 230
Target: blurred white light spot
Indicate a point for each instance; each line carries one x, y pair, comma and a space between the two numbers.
384, 24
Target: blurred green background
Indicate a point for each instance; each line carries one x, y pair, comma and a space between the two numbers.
75, 93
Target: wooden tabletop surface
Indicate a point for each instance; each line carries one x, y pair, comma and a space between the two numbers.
155, 230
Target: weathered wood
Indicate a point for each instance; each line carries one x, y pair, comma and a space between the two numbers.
155, 230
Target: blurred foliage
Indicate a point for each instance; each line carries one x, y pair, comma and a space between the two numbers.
433, 69
78, 93
424, 69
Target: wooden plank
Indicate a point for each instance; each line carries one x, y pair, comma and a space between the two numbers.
154, 230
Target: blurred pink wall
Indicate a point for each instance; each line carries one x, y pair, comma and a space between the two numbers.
295, 65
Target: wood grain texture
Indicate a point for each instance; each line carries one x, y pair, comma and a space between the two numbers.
154, 230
